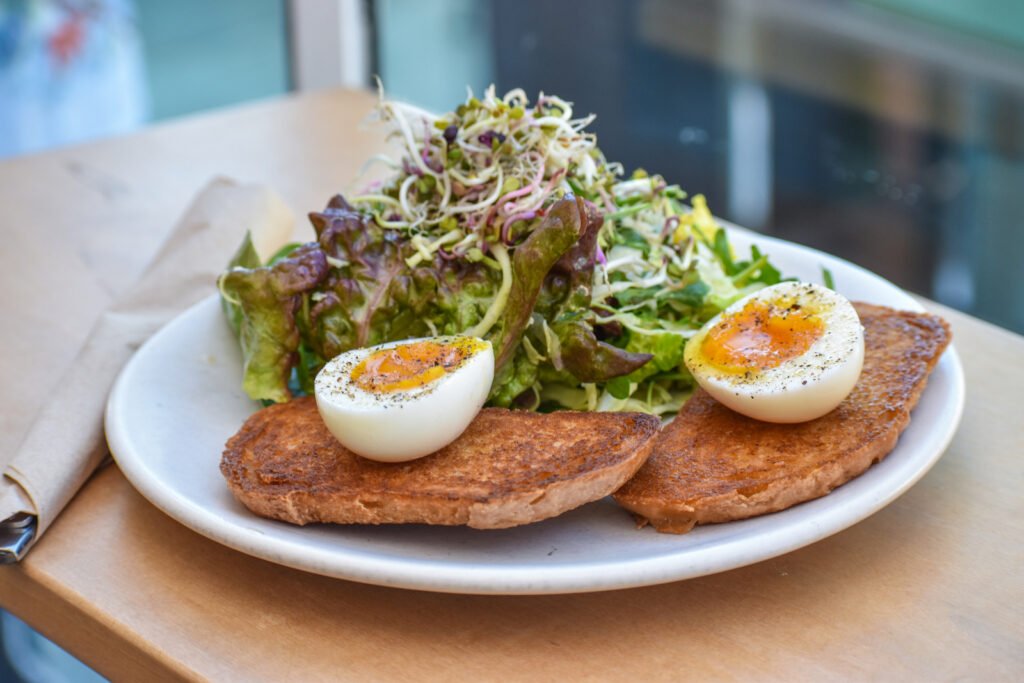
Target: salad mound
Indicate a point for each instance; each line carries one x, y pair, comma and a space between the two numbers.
502, 220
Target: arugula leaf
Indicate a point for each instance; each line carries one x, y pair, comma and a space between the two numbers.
692, 294
768, 274
628, 297
633, 239
305, 370
758, 269
721, 249
827, 279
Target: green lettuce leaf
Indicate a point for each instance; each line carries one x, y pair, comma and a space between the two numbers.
354, 287
584, 356
591, 360
268, 299
245, 257
531, 262
666, 352
518, 376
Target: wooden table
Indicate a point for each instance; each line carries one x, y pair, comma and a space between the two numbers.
930, 588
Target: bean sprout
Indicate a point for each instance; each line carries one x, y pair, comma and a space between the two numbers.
493, 161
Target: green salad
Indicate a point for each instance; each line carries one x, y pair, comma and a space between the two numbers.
501, 220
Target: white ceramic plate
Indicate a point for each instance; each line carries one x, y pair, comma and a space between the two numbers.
179, 399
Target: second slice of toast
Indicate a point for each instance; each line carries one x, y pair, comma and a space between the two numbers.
714, 465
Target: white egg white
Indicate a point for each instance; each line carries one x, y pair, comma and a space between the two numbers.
397, 426
798, 389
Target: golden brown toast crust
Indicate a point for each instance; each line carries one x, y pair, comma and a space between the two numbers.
508, 468
714, 465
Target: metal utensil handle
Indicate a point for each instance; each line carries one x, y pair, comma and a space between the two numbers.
16, 534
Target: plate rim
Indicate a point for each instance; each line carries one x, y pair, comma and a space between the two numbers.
518, 579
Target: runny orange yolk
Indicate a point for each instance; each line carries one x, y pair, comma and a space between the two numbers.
762, 335
410, 366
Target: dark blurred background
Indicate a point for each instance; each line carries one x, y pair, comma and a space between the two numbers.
889, 132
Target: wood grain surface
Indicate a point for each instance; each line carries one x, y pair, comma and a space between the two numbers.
929, 588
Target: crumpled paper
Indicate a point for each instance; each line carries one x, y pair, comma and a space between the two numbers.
66, 443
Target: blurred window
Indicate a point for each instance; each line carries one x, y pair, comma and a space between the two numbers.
888, 132
72, 70
69, 71
201, 54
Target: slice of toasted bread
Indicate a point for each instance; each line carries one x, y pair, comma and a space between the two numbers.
714, 465
508, 468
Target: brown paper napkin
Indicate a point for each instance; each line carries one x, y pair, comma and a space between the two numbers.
66, 443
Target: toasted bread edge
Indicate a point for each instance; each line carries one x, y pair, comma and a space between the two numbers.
520, 507
679, 518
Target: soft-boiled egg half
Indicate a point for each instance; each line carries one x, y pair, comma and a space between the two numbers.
403, 400
787, 353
